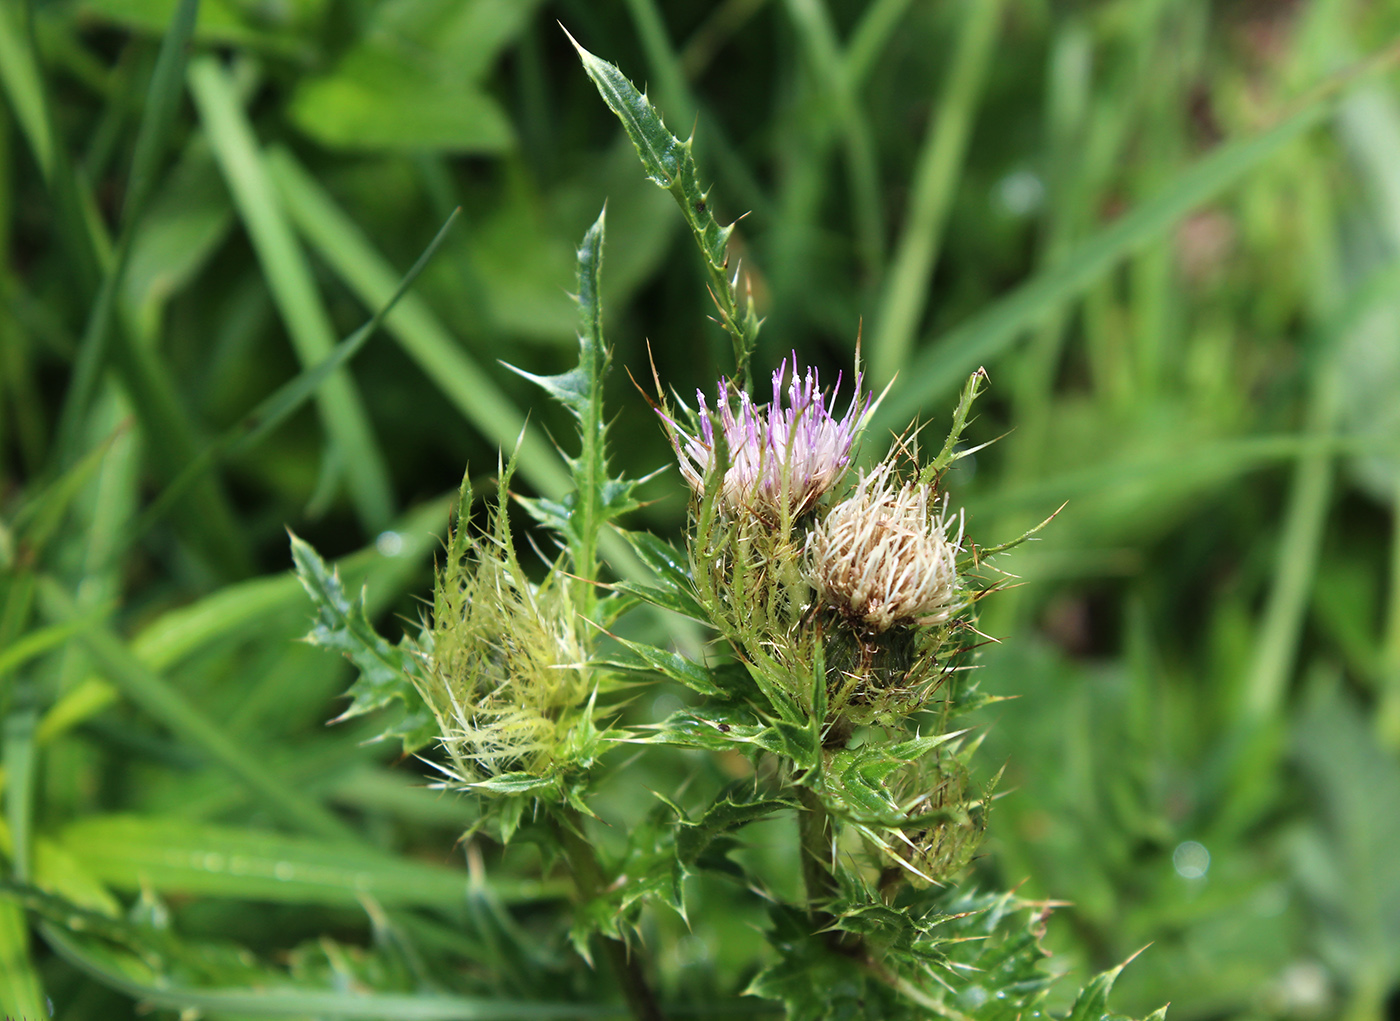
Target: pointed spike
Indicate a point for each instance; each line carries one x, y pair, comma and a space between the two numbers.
574, 42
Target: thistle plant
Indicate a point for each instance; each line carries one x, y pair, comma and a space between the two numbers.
844, 601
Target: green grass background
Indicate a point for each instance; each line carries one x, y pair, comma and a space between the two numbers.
1169, 229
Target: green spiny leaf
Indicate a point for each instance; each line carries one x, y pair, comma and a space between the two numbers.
668, 162
670, 664
386, 671
723, 817
677, 601
715, 729
1092, 1002
670, 564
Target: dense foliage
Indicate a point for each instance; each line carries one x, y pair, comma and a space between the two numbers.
1167, 229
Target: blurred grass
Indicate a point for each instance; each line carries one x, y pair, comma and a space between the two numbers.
1170, 231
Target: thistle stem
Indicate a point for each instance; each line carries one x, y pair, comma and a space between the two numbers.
814, 829
588, 880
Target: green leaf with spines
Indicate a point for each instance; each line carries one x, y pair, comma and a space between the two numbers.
387, 672
947, 953
517, 783
950, 453
648, 871
638, 656
711, 837
597, 498
662, 850
800, 742
714, 729
1092, 1002
666, 598
671, 567
854, 780
669, 163
816, 983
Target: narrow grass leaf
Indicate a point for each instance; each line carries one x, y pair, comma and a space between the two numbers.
19, 783
152, 138
236, 609
19, 73
293, 287
938, 367
88, 254
278, 406
817, 35
936, 175
41, 640
37, 522
343, 246
870, 37
174, 856
20, 989
154, 965
157, 697
263, 1001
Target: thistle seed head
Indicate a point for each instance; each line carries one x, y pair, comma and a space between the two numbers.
883, 556
781, 458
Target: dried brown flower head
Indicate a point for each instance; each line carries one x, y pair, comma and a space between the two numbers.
883, 556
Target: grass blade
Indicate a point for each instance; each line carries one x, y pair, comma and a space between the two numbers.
162, 104
935, 180
870, 36
175, 856
19, 73
20, 990
818, 37
154, 695
293, 287
274, 409
343, 246
182, 632
289, 1001
939, 367
87, 251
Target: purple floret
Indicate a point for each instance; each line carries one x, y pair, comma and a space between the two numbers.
780, 457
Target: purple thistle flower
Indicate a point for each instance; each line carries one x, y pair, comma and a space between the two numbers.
780, 458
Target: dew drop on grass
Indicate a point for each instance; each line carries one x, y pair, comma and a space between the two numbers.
1191, 860
1020, 193
389, 544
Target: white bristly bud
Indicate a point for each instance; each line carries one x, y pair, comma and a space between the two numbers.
883, 555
